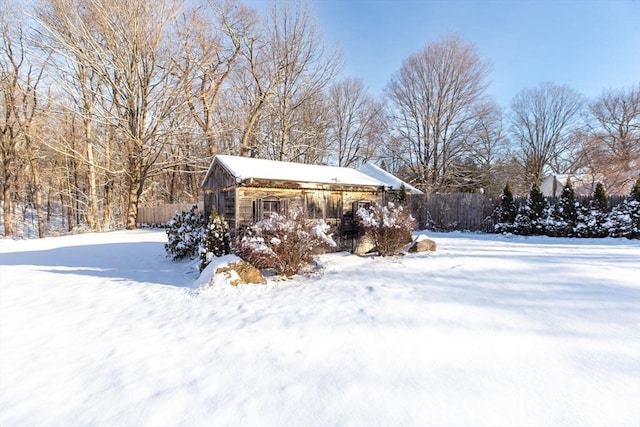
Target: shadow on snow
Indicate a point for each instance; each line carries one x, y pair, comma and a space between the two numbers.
143, 262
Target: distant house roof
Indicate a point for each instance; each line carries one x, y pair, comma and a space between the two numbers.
244, 168
389, 180
583, 184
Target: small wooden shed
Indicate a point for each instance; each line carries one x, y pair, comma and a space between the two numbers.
245, 190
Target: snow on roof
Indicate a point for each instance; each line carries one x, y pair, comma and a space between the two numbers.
247, 167
388, 179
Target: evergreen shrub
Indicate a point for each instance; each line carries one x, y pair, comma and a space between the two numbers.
216, 241
184, 233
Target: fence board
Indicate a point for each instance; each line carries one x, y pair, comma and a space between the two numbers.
454, 211
467, 211
160, 215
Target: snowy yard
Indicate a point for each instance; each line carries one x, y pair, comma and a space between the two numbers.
103, 330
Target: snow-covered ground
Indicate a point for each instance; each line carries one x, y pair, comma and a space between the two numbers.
103, 329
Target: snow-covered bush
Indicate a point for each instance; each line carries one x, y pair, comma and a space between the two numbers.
562, 220
593, 221
388, 226
505, 213
184, 234
532, 216
625, 218
284, 243
216, 241
569, 218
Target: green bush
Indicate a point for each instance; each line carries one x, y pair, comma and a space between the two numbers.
184, 233
216, 241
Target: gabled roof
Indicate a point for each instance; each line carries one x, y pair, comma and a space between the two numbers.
244, 168
583, 184
389, 180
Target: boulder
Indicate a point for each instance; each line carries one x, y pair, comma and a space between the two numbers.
241, 272
422, 244
364, 244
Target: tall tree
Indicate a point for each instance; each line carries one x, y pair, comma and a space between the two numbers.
212, 38
19, 79
487, 148
305, 69
130, 46
614, 130
434, 98
542, 121
11, 64
357, 123
64, 34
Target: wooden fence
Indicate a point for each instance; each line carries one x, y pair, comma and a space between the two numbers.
160, 215
443, 212
456, 211
468, 211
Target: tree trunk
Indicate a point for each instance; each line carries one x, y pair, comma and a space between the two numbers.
136, 183
49, 206
244, 145
35, 171
107, 201
6, 194
38, 194
132, 207
106, 206
92, 217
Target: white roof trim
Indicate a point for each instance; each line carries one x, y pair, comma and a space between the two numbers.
390, 180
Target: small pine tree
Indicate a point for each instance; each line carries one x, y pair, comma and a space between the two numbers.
635, 192
594, 221
567, 213
633, 209
216, 241
522, 224
538, 206
506, 212
402, 195
184, 233
600, 201
625, 218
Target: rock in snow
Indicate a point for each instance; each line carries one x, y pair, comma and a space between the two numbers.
240, 272
422, 244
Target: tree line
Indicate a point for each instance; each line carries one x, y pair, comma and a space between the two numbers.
107, 105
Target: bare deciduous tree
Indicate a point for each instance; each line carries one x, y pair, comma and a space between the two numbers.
129, 46
211, 42
19, 79
255, 87
541, 124
11, 65
487, 147
357, 123
304, 70
614, 136
434, 98
64, 33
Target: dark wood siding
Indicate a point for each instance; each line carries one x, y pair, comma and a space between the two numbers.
242, 203
218, 178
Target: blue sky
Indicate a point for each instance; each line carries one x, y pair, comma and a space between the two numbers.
589, 45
